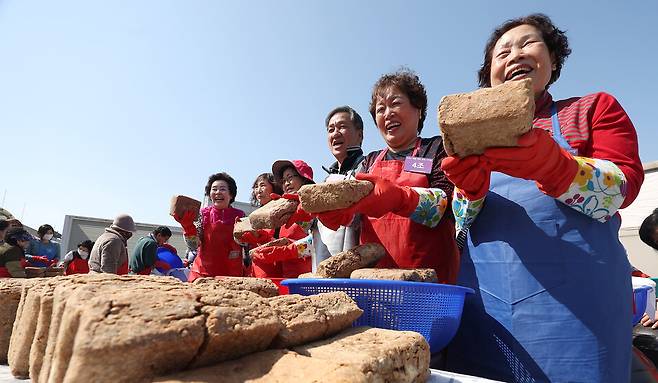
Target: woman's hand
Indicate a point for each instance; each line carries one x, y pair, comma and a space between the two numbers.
470, 174
271, 254
299, 215
538, 158
187, 222
646, 321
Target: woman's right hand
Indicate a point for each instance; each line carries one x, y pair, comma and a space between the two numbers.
471, 174
187, 222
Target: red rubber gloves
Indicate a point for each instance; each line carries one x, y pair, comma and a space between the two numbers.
299, 215
539, 158
39, 258
386, 197
187, 222
470, 174
271, 254
257, 237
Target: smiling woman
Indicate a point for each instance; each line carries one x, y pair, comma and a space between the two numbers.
543, 227
211, 235
405, 210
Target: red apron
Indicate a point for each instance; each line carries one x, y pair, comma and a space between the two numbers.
218, 254
77, 266
4, 273
409, 244
284, 269
123, 269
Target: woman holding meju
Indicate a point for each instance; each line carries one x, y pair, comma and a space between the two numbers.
211, 234
553, 295
406, 211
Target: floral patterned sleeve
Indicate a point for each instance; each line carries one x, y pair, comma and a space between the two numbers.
194, 241
432, 203
305, 247
598, 190
465, 211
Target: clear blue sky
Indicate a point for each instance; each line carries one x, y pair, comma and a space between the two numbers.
114, 106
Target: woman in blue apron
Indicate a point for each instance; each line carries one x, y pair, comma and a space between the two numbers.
553, 295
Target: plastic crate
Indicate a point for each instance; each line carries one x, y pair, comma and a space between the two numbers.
432, 309
639, 302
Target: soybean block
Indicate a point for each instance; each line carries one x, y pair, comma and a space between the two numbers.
10, 296
180, 204
318, 198
309, 318
274, 214
413, 275
488, 117
342, 264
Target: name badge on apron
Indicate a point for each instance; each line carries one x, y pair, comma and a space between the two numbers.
418, 165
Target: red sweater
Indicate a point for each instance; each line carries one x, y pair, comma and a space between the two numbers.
598, 127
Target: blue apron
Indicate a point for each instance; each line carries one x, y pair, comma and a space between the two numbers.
553, 295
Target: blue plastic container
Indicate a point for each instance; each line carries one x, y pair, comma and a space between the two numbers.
167, 256
639, 302
432, 309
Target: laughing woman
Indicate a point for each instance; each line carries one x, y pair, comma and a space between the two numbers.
211, 235
552, 281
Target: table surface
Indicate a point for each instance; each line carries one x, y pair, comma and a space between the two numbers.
437, 376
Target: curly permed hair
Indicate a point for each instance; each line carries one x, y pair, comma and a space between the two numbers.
407, 82
554, 38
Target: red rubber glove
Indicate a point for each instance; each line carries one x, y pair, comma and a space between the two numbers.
470, 174
187, 222
538, 158
53, 262
271, 254
257, 237
39, 258
386, 197
299, 215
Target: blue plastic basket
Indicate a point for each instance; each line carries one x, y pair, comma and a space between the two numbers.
432, 309
639, 302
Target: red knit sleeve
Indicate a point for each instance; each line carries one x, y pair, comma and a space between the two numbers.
613, 138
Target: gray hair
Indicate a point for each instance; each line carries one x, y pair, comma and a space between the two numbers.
354, 116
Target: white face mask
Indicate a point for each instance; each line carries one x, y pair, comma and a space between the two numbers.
48, 237
83, 254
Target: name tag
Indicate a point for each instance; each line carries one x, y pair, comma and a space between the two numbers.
418, 165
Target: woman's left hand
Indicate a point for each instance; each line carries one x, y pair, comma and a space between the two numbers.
271, 254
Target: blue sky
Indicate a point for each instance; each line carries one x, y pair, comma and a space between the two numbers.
109, 107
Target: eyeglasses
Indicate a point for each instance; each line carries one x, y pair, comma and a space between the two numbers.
289, 179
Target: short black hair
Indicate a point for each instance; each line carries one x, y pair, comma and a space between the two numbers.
408, 83
14, 234
648, 229
354, 116
222, 176
43, 229
162, 230
269, 178
87, 244
3, 224
554, 38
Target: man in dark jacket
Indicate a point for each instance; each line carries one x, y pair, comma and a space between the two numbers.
110, 252
344, 136
145, 253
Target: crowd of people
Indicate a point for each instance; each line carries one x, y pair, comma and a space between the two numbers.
525, 227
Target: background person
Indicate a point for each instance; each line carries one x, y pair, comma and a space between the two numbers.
211, 235
44, 252
12, 257
145, 253
262, 188
406, 211
294, 259
553, 293
76, 261
110, 253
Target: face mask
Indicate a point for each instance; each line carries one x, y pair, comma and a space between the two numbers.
48, 237
83, 254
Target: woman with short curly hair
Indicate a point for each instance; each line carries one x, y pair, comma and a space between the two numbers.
405, 212
211, 234
553, 293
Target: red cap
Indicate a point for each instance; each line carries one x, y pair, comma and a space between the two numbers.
302, 168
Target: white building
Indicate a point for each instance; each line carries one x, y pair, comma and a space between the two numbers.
640, 255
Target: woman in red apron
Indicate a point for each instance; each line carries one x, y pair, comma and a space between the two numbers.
75, 261
294, 259
212, 233
406, 212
